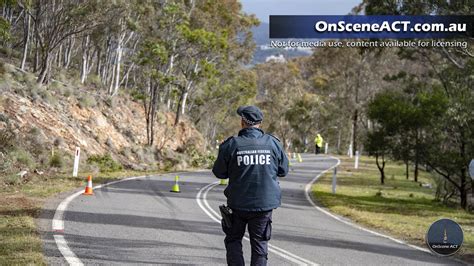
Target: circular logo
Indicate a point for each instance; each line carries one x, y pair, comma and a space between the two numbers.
445, 237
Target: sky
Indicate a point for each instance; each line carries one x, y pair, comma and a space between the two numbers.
264, 8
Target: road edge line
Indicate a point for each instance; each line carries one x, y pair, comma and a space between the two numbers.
57, 224
308, 197
216, 217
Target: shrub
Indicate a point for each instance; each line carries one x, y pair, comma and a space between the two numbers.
87, 101
94, 80
5, 163
56, 85
58, 142
5, 82
105, 163
7, 139
56, 161
198, 159
111, 102
12, 179
29, 79
8, 68
66, 92
47, 96
22, 157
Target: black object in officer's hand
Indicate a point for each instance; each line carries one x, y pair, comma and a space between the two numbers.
226, 214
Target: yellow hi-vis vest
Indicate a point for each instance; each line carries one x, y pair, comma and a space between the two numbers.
318, 140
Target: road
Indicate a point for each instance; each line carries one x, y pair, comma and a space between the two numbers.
139, 221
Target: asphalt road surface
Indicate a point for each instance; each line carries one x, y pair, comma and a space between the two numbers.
140, 221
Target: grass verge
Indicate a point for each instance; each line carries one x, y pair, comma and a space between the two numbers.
20, 205
400, 208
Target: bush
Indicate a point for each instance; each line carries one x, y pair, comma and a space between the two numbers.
56, 161
12, 179
8, 68
30, 79
5, 82
66, 92
47, 96
58, 142
5, 163
111, 102
95, 81
87, 101
7, 139
200, 160
22, 157
105, 163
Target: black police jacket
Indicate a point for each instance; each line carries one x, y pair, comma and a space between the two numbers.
252, 161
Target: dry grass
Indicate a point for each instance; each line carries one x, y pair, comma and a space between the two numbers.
20, 205
400, 207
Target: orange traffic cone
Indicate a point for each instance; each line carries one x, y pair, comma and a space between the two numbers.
88, 187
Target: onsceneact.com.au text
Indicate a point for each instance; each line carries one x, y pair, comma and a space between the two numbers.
386, 26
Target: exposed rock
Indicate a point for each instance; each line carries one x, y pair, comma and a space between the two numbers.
98, 130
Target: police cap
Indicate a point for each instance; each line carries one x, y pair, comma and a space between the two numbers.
250, 114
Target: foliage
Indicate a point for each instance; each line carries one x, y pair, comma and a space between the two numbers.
4, 29
105, 162
200, 160
22, 158
7, 138
86, 101
56, 161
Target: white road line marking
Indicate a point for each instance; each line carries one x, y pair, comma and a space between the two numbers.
67, 253
58, 224
204, 205
308, 197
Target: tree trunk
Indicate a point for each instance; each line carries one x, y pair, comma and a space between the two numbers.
26, 40
339, 140
69, 52
85, 57
44, 68
36, 62
178, 108
417, 157
59, 59
381, 168
354, 131
99, 62
407, 166
183, 103
463, 193
118, 61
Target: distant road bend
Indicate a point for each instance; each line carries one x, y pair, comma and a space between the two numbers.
138, 221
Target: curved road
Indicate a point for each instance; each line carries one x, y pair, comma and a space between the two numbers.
140, 222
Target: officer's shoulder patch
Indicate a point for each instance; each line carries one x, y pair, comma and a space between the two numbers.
227, 140
274, 137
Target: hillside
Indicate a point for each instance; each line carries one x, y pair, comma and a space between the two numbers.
56, 118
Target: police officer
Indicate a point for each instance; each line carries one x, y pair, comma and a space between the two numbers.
252, 161
318, 143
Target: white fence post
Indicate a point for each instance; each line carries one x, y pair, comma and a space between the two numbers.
76, 162
326, 148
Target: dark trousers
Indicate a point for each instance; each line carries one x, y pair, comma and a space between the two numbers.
317, 149
260, 230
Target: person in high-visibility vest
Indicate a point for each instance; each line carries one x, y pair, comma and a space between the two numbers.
318, 143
